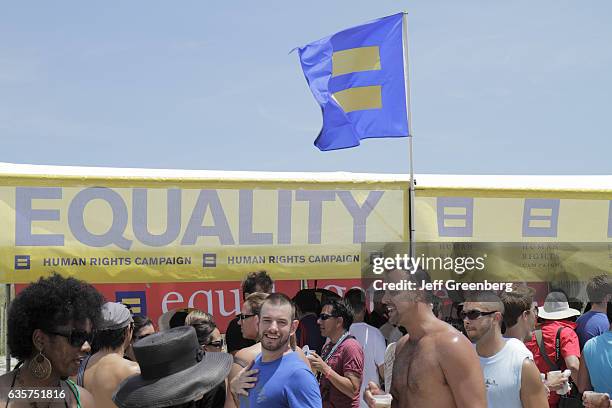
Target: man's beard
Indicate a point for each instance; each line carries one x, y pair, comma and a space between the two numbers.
477, 336
280, 343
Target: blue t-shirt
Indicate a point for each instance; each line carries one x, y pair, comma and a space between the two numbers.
285, 382
591, 324
597, 354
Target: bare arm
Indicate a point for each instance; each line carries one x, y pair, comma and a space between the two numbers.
348, 385
231, 400
533, 393
573, 364
461, 368
87, 400
246, 356
584, 379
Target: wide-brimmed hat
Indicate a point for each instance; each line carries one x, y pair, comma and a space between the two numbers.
556, 307
173, 370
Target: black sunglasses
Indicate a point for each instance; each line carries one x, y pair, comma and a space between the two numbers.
243, 316
473, 314
325, 316
218, 343
75, 337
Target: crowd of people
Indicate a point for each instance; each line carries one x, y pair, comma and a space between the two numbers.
317, 349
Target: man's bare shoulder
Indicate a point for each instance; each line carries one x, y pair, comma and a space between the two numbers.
249, 353
132, 364
449, 340
112, 369
399, 345
131, 368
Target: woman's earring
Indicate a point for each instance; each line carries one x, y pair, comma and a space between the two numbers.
40, 366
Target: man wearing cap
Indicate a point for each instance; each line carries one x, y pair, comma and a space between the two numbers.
176, 372
104, 370
556, 312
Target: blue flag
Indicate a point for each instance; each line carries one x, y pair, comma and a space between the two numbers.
357, 76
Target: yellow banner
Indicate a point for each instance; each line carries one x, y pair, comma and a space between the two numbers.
117, 229
117, 234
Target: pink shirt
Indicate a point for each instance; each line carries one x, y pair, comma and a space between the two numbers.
348, 358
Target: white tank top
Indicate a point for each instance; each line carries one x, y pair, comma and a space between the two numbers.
502, 374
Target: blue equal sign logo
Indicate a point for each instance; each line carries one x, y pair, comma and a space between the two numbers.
209, 260
135, 300
22, 262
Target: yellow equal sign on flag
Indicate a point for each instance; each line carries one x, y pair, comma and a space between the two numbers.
357, 60
133, 304
359, 98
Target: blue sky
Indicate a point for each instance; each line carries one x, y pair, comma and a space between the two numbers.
515, 87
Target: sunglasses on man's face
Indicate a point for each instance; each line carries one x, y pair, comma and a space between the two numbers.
243, 316
473, 314
325, 316
75, 337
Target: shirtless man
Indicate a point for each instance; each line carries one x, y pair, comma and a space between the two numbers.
103, 371
435, 365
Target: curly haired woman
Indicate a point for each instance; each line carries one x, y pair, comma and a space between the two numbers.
50, 327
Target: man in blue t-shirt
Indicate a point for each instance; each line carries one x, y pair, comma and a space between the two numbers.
283, 379
595, 321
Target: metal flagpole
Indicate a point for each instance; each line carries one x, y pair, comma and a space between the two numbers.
411, 195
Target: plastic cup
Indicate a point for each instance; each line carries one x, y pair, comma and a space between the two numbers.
588, 396
382, 400
593, 397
